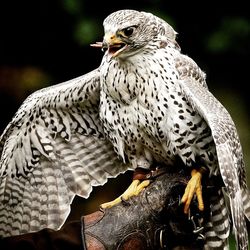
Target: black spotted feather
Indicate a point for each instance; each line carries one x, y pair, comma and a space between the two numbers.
53, 149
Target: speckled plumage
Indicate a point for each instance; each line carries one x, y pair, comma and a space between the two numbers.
148, 104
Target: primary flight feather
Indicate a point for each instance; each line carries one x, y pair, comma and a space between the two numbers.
146, 105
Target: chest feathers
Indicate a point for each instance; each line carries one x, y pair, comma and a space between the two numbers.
143, 111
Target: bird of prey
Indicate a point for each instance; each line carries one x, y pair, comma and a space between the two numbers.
146, 105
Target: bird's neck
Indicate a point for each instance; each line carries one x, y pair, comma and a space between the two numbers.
127, 80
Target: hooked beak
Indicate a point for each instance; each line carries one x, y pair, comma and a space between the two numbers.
111, 42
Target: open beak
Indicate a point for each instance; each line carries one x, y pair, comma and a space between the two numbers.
111, 42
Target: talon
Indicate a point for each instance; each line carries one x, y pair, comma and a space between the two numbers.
141, 186
134, 189
193, 187
111, 203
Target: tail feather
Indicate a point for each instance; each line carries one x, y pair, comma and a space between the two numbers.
239, 223
212, 241
246, 202
217, 228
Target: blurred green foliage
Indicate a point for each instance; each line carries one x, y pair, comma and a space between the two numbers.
73, 6
232, 35
85, 31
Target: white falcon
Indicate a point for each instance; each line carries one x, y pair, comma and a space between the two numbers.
146, 105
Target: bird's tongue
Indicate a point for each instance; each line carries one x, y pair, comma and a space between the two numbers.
115, 49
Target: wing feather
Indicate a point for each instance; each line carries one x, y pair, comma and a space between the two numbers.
53, 149
228, 147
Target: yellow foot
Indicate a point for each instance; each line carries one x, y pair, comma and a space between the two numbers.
134, 189
193, 187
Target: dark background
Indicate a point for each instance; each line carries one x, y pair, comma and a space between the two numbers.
44, 42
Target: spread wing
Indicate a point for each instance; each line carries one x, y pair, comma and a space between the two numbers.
53, 149
228, 147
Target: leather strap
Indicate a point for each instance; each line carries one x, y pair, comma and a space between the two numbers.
148, 174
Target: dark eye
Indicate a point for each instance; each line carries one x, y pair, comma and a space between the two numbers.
128, 31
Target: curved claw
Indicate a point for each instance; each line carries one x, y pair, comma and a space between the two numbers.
193, 187
134, 189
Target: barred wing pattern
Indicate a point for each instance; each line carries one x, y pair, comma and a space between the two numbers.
53, 149
229, 153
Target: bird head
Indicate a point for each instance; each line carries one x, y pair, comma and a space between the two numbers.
128, 31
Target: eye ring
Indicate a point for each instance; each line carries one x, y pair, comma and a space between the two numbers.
128, 31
